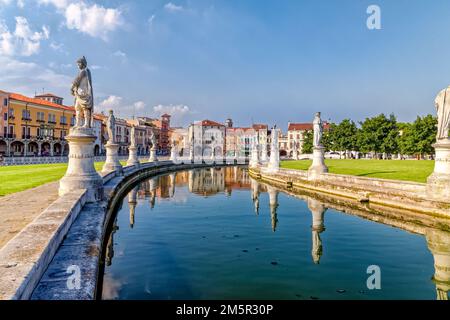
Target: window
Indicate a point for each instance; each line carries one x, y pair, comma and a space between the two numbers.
5, 116
63, 120
40, 116
51, 118
38, 132
5, 102
11, 112
72, 121
26, 115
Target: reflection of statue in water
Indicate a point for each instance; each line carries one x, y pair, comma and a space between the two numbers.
84, 96
153, 184
111, 127
318, 131
439, 245
442, 103
273, 203
255, 195
172, 177
318, 210
153, 140
132, 202
110, 245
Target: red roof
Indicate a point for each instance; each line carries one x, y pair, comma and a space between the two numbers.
47, 95
210, 123
260, 126
304, 126
19, 97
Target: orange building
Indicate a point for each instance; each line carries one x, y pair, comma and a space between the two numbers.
37, 126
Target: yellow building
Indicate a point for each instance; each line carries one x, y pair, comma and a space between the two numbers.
34, 126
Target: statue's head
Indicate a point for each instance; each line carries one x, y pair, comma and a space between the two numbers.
111, 112
317, 114
82, 63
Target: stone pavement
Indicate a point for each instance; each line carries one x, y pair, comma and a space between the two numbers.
17, 210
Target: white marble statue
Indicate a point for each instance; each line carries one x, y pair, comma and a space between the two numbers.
111, 127
84, 96
133, 136
318, 131
442, 103
153, 140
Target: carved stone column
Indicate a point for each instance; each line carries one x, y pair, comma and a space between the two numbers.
81, 173
112, 162
132, 156
438, 183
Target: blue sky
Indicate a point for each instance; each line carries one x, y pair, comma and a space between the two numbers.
254, 61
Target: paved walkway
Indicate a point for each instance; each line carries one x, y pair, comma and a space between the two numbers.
18, 209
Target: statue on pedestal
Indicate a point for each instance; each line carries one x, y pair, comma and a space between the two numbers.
111, 127
84, 95
133, 137
318, 130
442, 103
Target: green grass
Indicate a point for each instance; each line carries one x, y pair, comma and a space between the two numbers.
408, 170
18, 178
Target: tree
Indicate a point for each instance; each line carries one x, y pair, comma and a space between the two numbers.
344, 136
378, 134
307, 146
418, 137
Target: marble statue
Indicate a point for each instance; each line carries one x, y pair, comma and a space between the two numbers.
133, 136
84, 96
153, 140
111, 127
442, 103
318, 130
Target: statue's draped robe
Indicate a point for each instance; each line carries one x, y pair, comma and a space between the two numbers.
443, 113
84, 96
317, 132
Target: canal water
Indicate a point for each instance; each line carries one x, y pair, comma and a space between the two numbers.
218, 234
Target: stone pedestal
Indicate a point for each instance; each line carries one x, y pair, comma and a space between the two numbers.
173, 154
318, 166
274, 161
438, 183
263, 158
81, 173
439, 244
132, 157
153, 157
112, 162
254, 158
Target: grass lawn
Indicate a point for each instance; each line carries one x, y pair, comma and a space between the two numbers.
409, 170
19, 178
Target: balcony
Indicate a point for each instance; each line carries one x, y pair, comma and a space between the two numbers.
26, 136
40, 120
52, 122
26, 118
9, 135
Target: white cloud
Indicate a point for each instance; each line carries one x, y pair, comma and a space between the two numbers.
172, 7
21, 3
179, 113
92, 19
28, 77
150, 21
110, 103
139, 105
121, 55
23, 41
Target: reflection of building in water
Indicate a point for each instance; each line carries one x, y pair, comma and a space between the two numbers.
163, 187
255, 195
132, 202
110, 245
207, 181
439, 245
318, 210
273, 203
236, 178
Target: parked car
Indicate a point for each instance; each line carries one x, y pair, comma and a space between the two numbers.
332, 155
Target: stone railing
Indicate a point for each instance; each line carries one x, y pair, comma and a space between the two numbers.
407, 195
16, 161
